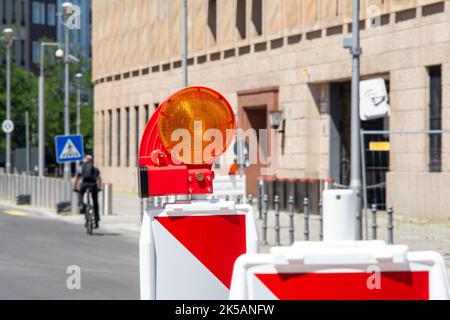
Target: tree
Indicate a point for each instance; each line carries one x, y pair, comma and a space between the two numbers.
24, 97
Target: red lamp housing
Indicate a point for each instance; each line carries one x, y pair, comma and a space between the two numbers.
183, 138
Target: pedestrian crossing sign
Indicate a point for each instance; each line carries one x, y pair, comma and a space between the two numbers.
69, 148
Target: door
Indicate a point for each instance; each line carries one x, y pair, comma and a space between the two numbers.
254, 106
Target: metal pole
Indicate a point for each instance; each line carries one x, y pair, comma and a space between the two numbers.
8, 108
67, 166
276, 202
291, 219
374, 222
41, 143
390, 214
184, 43
78, 111
355, 179
27, 142
364, 183
306, 213
264, 224
321, 219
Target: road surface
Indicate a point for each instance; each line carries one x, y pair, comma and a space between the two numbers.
36, 254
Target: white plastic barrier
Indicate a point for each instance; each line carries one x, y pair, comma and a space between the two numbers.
339, 215
349, 270
231, 185
188, 249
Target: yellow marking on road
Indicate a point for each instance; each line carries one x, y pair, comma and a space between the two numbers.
15, 213
379, 146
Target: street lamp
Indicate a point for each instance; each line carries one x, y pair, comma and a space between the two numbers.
67, 12
275, 119
8, 40
41, 147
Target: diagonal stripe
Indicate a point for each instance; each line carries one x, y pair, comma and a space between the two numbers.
216, 241
394, 285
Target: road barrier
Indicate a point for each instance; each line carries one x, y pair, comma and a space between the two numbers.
368, 270
43, 191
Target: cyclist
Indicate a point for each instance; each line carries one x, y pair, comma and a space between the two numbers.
90, 179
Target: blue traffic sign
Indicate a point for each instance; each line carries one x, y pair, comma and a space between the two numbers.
69, 148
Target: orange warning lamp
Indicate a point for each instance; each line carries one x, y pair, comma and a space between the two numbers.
183, 138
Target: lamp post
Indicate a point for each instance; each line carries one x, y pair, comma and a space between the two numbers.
67, 11
8, 40
41, 147
353, 45
78, 79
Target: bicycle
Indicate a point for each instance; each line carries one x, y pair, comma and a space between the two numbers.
88, 209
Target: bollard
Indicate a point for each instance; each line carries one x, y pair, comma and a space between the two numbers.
390, 213
250, 200
276, 205
291, 219
306, 212
141, 210
107, 199
260, 198
374, 222
321, 220
264, 224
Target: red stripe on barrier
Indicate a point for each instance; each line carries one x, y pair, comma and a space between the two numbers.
394, 285
216, 241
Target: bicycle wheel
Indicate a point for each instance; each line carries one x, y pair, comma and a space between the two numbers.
89, 223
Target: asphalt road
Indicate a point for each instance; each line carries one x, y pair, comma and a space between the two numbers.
36, 253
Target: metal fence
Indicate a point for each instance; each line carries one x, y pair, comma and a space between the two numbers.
407, 170
43, 191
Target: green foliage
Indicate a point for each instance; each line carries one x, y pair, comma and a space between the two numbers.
24, 97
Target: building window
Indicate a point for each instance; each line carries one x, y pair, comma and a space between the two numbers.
4, 21
36, 51
110, 138
127, 136
147, 113
257, 11
137, 133
38, 14
13, 13
22, 52
22, 12
212, 17
102, 138
119, 138
51, 14
435, 75
241, 21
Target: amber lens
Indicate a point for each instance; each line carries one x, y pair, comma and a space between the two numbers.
193, 112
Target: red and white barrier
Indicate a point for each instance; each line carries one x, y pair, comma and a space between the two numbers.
188, 249
348, 270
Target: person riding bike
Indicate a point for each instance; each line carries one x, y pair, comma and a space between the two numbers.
90, 179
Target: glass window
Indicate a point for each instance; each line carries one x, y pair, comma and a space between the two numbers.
127, 136
51, 14
36, 13
119, 138
435, 151
36, 54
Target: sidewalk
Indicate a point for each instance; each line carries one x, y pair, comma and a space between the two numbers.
419, 235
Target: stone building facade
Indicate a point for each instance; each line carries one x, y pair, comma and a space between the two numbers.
283, 55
